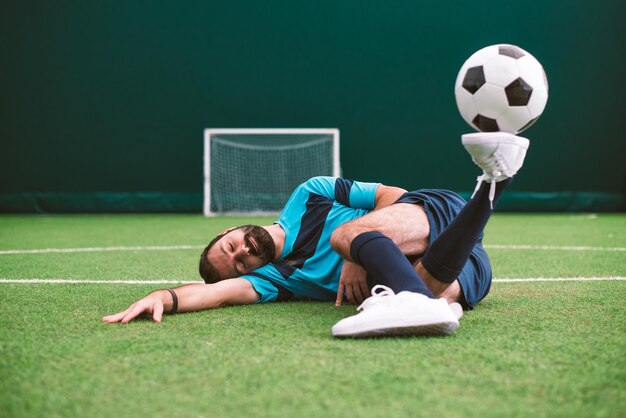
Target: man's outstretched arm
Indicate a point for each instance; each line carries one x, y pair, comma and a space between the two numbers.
191, 297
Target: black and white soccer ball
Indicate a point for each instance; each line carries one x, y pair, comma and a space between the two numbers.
501, 88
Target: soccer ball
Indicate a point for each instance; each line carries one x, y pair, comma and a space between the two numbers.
501, 88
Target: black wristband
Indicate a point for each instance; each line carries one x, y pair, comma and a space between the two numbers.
175, 298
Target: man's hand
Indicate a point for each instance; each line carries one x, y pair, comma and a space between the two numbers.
191, 297
151, 304
353, 282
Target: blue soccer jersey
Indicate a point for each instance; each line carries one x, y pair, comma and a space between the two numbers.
308, 267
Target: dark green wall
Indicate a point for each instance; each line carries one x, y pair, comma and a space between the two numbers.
109, 98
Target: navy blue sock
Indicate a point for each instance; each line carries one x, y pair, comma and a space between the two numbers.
449, 252
385, 263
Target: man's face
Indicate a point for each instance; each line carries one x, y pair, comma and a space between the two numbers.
241, 250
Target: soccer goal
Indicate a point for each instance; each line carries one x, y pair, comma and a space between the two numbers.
254, 171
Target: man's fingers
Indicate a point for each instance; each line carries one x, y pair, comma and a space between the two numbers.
158, 312
350, 295
359, 294
365, 290
115, 317
132, 314
358, 297
339, 294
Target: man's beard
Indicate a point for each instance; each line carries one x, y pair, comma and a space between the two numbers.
259, 242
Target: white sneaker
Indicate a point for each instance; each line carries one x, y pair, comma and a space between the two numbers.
457, 309
499, 154
405, 313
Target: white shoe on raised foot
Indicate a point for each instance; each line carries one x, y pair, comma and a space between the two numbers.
406, 313
499, 154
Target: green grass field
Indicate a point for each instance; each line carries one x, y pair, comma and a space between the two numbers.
531, 348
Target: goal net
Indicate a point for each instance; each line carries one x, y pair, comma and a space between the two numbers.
255, 170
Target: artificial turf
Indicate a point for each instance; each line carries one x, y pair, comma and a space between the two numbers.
529, 349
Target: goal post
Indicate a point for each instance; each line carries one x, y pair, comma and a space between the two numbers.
254, 171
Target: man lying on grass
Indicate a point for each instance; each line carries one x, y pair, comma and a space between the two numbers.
419, 252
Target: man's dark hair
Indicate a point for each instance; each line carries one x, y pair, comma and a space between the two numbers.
207, 271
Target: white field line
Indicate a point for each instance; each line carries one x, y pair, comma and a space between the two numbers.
551, 247
90, 281
561, 279
99, 249
93, 281
198, 247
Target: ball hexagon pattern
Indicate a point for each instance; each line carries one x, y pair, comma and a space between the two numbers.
474, 79
518, 92
501, 88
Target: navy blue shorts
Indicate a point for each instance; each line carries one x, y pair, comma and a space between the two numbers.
441, 207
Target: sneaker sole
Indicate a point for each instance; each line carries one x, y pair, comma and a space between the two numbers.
482, 138
436, 329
